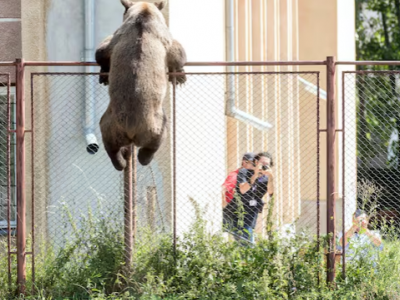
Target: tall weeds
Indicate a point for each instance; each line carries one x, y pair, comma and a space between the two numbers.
90, 265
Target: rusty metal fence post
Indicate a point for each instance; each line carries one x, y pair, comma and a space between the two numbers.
318, 173
174, 159
9, 132
21, 201
134, 192
343, 176
331, 166
128, 208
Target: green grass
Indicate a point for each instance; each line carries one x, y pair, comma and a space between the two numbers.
91, 266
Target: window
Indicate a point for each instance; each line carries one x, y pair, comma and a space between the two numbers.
3, 160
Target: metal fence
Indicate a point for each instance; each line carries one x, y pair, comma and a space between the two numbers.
374, 96
58, 180
208, 145
370, 96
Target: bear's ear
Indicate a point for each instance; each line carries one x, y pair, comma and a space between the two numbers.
126, 3
160, 5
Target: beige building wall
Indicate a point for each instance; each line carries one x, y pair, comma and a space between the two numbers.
10, 33
33, 33
268, 30
327, 28
10, 37
284, 31
22, 32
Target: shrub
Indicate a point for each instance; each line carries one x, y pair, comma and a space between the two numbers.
204, 266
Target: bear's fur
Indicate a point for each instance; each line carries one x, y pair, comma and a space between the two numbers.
103, 59
138, 57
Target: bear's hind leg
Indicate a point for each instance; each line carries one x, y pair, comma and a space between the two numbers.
147, 151
117, 157
146, 154
115, 141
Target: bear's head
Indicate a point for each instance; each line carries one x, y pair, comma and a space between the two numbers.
133, 9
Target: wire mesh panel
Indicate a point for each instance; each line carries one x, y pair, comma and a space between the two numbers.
371, 152
7, 205
7, 172
267, 112
67, 180
78, 199
77, 195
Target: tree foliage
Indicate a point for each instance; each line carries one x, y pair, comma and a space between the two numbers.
378, 116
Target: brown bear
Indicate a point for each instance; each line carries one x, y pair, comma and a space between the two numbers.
138, 57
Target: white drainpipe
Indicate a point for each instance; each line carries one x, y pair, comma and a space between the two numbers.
312, 88
92, 145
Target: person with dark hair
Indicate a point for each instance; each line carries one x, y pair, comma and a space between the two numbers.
252, 185
359, 240
229, 189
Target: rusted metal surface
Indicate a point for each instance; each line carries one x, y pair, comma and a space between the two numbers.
318, 162
128, 210
8, 177
7, 63
319, 131
21, 199
343, 177
244, 73
331, 166
377, 72
59, 64
32, 131
134, 191
258, 63
174, 159
191, 64
318, 171
65, 73
369, 63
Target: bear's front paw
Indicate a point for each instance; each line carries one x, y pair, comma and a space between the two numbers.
180, 79
103, 79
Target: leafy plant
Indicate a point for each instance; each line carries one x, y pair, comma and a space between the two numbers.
203, 266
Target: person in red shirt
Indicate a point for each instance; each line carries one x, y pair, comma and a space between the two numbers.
229, 186
252, 185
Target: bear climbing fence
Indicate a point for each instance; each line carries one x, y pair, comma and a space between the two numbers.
59, 189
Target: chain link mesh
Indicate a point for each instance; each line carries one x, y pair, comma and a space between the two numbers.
79, 196
74, 197
7, 172
210, 146
70, 184
7, 155
213, 120
372, 124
